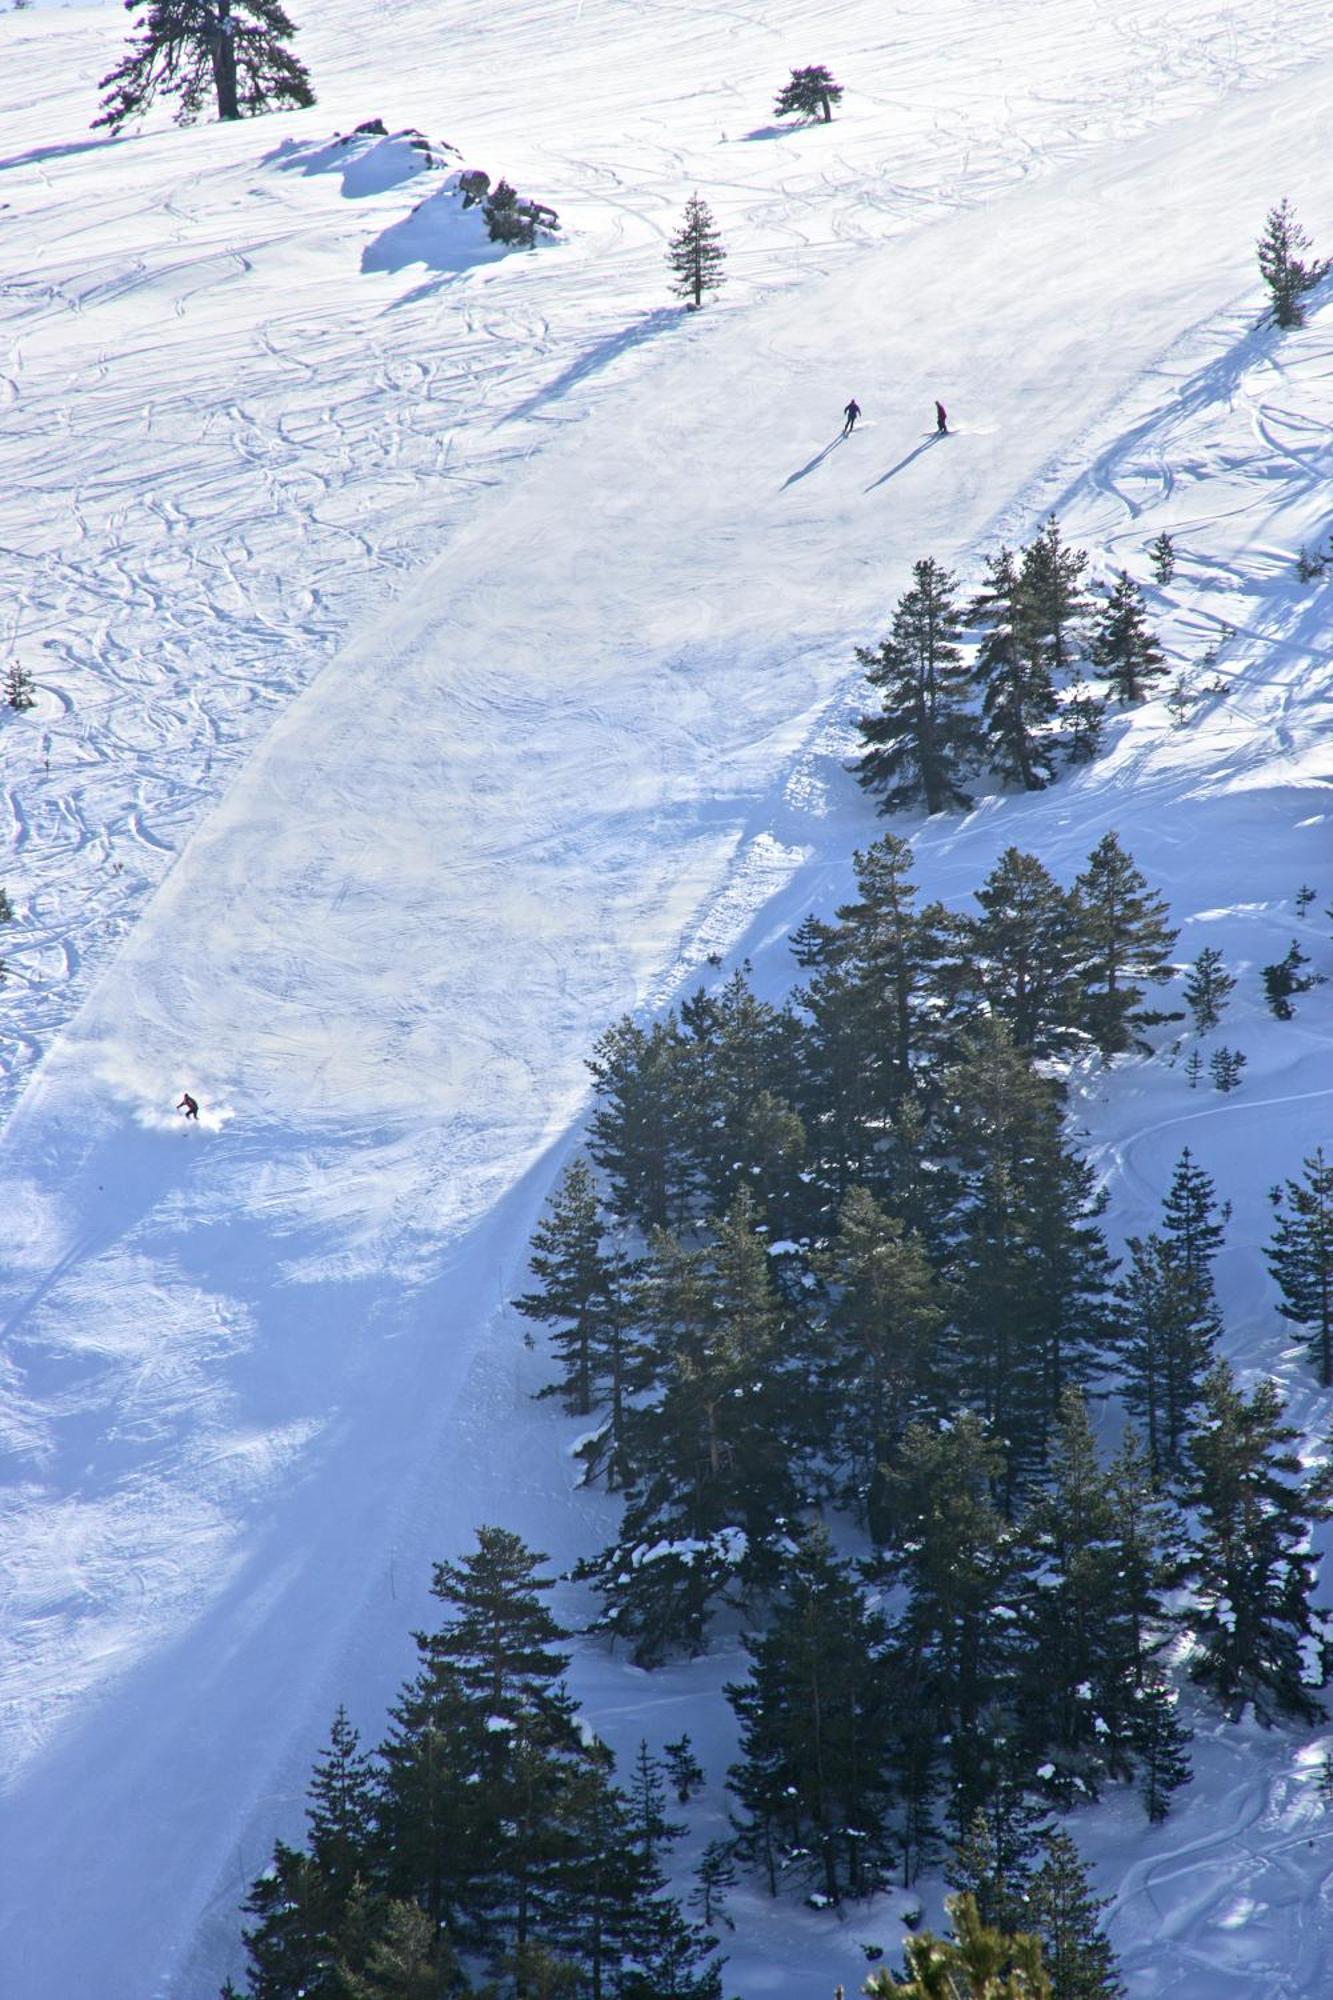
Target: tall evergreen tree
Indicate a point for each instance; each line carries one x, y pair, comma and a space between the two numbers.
1065, 1915
235, 49
580, 1296
1024, 950
878, 1366
1124, 650
1126, 944
874, 1014
1014, 668
1166, 1344
958, 1559
740, 1072
1283, 267
1026, 1255
1300, 1257
713, 1457
1250, 1558
993, 1859
695, 254
811, 1781
639, 1132
923, 736
1055, 603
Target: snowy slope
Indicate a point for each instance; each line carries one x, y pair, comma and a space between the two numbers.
435, 662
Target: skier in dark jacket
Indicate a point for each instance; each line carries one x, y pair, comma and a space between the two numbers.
852, 412
188, 1106
941, 420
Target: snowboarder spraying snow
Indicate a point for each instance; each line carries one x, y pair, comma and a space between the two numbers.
852, 412
188, 1106
941, 421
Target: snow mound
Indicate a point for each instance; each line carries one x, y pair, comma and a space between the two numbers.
446, 232
370, 160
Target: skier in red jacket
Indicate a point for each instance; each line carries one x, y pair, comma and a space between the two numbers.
188, 1106
941, 420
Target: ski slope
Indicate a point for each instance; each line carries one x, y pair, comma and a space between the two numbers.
434, 661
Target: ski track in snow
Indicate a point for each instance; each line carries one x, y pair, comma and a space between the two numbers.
432, 665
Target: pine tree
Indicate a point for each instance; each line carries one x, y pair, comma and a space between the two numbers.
407, 1960
1208, 987
1025, 1255
581, 1293
1085, 714
739, 1072
875, 1018
20, 688
646, 1798
1283, 267
1055, 602
713, 1459
1014, 669
1066, 1916
1126, 944
1161, 1743
958, 1558
1286, 979
879, 1363
716, 1874
1024, 950
1250, 1558
294, 1945
811, 1780
695, 254
1167, 1333
639, 1133
977, 1963
1124, 650
684, 1769
1300, 1257
186, 48
340, 1814
1162, 553
923, 736
993, 1859
809, 93
1225, 1066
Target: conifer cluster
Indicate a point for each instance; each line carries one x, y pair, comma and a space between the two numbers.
1021, 700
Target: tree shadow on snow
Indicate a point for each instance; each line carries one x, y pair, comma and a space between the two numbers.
817, 460
768, 132
600, 355
903, 463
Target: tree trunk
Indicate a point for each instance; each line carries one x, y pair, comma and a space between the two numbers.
224, 62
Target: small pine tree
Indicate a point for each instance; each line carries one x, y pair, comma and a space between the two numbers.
1305, 895
1300, 1257
1123, 648
1162, 554
695, 254
1179, 702
683, 1769
1283, 267
1286, 979
1194, 1069
715, 1874
1162, 1744
923, 735
1225, 1066
810, 93
186, 48
1208, 986
1055, 603
20, 688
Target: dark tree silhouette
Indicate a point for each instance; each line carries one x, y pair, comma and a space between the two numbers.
186, 48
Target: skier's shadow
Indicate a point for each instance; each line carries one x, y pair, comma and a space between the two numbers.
818, 459
903, 463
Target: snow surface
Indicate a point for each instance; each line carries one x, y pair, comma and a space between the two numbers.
440, 654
